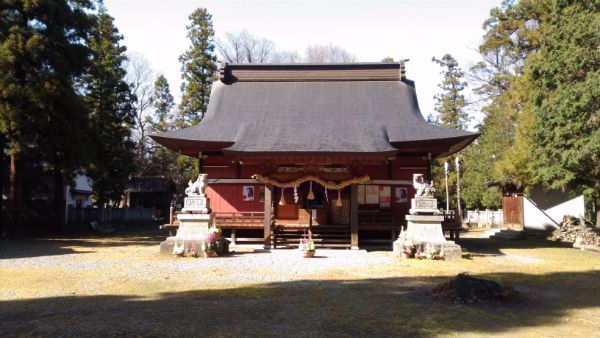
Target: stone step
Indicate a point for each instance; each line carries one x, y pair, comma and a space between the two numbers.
508, 235
491, 233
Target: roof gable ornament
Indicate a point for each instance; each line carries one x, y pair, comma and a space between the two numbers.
403, 69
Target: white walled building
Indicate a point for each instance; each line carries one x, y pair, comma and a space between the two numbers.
79, 196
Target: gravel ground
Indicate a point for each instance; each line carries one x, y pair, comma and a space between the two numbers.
122, 286
249, 265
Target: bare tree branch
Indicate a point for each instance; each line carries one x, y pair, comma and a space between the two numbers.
140, 78
244, 47
328, 54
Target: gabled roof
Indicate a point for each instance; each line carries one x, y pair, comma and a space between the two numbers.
336, 109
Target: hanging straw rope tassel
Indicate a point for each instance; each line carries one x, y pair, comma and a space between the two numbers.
310, 196
338, 203
282, 199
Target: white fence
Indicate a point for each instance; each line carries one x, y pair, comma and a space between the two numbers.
485, 218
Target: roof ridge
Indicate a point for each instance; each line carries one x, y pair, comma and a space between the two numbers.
302, 72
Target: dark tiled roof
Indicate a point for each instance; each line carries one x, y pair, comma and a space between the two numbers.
356, 109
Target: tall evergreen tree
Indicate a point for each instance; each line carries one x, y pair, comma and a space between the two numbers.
109, 100
162, 161
515, 32
42, 56
450, 103
450, 108
162, 103
198, 67
501, 154
565, 96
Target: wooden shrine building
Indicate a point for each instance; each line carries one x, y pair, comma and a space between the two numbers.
330, 146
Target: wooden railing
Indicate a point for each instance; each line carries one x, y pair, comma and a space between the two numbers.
247, 220
376, 220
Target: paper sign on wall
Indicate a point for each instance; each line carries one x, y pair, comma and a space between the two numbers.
372, 194
248, 193
360, 192
401, 195
385, 195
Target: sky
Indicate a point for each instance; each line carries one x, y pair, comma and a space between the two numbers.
371, 30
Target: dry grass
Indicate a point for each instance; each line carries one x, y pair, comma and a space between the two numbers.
120, 286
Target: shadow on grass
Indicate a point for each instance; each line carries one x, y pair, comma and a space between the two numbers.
51, 246
493, 247
28, 249
372, 307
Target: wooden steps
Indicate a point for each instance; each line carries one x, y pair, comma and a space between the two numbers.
323, 237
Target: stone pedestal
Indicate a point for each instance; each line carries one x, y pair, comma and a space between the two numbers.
427, 230
193, 230
195, 220
196, 204
424, 205
424, 225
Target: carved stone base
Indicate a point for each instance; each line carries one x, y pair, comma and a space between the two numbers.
190, 245
192, 231
191, 225
424, 205
427, 230
449, 249
196, 204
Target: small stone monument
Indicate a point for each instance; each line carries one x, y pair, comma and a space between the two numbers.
424, 224
195, 221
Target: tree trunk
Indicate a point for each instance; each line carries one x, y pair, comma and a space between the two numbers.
59, 201
142, 159
3, 227
15, 195
597, 213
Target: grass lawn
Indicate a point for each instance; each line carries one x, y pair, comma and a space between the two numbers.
106, 286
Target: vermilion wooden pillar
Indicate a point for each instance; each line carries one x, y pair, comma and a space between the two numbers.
200, 163
354, 217
268, 216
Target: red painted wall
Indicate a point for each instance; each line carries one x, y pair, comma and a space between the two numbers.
229, 197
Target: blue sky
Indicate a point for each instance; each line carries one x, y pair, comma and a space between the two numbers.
371, 30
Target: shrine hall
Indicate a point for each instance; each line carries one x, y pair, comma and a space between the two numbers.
330, 148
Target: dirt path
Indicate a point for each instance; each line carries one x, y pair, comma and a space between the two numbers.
122, 286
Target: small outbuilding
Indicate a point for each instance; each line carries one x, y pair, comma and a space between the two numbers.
150, 192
